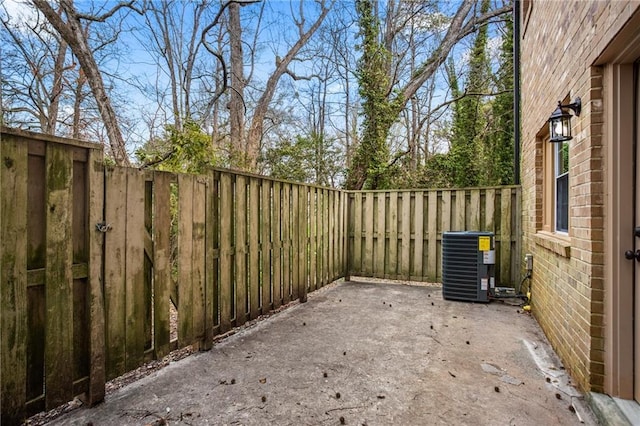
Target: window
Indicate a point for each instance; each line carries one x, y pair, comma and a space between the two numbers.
555, 186
561, 180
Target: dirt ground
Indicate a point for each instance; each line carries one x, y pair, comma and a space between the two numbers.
361, 353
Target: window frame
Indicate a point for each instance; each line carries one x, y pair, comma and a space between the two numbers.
561, 177
551, 176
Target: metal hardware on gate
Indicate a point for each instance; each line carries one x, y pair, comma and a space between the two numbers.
636, 231
103, 227
630, 255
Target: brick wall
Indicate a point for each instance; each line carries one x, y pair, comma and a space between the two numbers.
560, 42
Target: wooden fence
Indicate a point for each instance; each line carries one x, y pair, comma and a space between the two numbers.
398, 234
107, 252
51, 315
93, 259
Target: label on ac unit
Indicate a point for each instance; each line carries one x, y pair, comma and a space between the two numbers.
492, 282
484, 243
489, 257
484, 284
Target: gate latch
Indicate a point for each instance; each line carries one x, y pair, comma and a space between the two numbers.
103, 227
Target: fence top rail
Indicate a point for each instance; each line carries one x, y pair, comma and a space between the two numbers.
13, 132
470, 188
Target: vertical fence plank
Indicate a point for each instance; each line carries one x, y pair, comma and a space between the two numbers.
266, 245
505, 236
418, 235
13, 281
303, 227
405, 270
380, 235
474, 211
446, 211
254, 248
344, 242
490, 210
460, 211
95, 184
337, 246
240, 215
286, 243
226, 259
277, 245
325, 236
321, 207
185, 260
161, 262
392, 267
295, 241
368, 235
330, 235
432, 246
59, 278
313, 241
115, 268
134, 286
212, 307
198, 259
356, 262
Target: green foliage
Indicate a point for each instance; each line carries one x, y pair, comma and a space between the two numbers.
311, 159
501, 138
186, 150
481, 150
469, 120
369, 167
436, 172
290, 159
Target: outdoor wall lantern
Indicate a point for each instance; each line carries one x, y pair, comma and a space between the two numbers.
560, 121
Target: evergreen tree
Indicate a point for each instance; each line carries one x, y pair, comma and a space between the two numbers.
369, 165
502, 115
467, 145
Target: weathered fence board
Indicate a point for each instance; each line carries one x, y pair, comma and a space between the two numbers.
286, 243
134, 270
410, 225
13, 281
97, 350
162, 281
115, 261
226, 255
266, 247
58, 278
254, 248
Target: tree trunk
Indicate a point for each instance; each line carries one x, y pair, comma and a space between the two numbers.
71, 32
236, 96
254, 136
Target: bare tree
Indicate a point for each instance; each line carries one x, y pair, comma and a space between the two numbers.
256, 128
34, 73
236, 95
71, 31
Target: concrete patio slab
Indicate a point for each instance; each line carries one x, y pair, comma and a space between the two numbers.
360, 353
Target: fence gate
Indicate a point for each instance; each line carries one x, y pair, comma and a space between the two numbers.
50, 260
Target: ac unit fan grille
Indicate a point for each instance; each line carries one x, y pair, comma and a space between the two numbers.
461, 266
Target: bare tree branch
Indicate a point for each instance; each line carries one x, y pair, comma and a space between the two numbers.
110, 13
